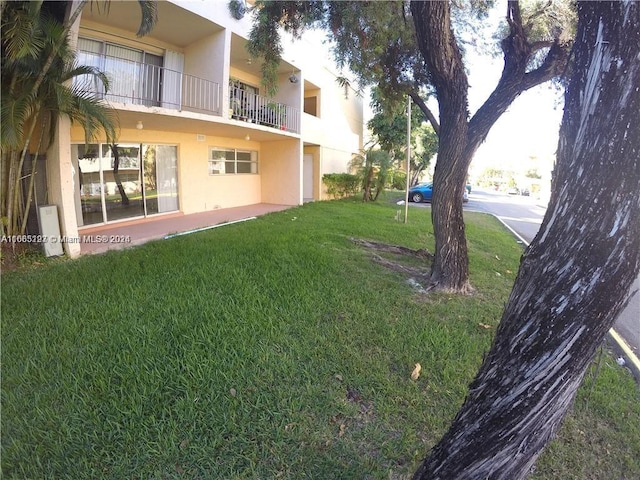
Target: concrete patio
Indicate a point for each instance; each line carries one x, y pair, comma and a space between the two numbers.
121, 235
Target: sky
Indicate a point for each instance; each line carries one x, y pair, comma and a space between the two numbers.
529, 128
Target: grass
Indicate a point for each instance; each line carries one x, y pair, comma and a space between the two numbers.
269, 349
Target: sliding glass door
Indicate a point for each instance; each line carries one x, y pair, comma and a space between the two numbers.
160, 178
87, 183
122, 181
122, 185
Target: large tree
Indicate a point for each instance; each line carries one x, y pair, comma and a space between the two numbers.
575, 277
417, 51
461, 136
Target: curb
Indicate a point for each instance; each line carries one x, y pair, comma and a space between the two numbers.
631, 361
623, 350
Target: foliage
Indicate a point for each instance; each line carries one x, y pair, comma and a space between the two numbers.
264, 39
399, 180
229, 369
389, 127
533, 173
33, 101
237, 9
373, 168
41, 83
341, 185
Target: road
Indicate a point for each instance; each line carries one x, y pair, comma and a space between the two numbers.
524, 216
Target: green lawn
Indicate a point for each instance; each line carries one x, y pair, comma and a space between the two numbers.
274, 348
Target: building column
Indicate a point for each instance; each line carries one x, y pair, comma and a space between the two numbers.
61, 178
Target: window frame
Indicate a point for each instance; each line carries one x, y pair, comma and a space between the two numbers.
228, 158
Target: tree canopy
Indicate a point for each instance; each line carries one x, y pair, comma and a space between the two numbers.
417, 49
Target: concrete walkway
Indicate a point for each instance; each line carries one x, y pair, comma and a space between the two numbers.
121, 235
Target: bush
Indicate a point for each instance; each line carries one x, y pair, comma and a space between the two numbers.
399, 181
341, 185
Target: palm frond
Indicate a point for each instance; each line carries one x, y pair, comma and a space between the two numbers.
20, 31
85, 109
16, 111
93, 73
149, 9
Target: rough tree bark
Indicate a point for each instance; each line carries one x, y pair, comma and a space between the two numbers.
459, 136
574, 277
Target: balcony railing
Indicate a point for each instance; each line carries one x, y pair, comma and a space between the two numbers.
249, 107
145, 84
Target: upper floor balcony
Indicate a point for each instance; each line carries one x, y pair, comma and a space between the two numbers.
138, 83
152, 85
253, 108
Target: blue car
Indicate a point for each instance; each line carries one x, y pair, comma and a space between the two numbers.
424, 191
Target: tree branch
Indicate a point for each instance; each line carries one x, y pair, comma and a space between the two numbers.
442, 57
553, 65
417, 99
515, 79
535, 46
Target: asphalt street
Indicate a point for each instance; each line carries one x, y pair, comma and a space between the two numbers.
523, 215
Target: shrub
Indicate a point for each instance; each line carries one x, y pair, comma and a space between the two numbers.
341, 185
399, 181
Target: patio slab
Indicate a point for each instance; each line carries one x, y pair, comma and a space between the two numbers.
121, 235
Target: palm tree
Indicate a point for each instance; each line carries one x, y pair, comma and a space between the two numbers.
38, 72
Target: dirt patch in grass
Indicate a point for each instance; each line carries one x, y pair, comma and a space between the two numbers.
416, 264
17, 256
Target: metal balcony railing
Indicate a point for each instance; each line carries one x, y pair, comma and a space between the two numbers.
145, 84
253, 108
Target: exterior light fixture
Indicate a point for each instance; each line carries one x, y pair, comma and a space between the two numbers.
139, 125
247, 137
293, 78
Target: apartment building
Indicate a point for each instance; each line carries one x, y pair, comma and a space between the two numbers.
197, 131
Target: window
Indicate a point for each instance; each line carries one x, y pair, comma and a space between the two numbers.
135, 76
231, 161
311, 105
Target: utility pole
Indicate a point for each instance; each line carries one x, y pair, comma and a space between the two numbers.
406, 196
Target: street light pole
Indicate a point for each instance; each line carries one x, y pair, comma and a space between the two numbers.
406, 196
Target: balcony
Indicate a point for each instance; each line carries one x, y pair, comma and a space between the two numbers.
138, 83
253, 108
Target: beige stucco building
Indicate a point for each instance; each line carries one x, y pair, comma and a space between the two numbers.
197, 132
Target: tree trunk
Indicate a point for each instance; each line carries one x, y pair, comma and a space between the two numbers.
575, 277
459, 138
450, 270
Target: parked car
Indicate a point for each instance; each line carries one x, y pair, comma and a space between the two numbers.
421, 192
424, 191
